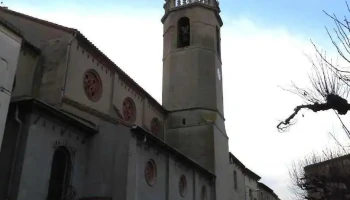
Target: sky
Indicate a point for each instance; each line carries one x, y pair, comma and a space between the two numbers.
263, 49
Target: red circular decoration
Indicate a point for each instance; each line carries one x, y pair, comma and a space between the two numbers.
129, 110
92, 85
150, 172
204, 193
155, 126
183, 186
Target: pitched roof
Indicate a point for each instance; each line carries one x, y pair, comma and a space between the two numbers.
265, 187
30, 102
142, 133
43, 22
251, 174
15, 30
327, 162
245, 170
235, 160
88, 44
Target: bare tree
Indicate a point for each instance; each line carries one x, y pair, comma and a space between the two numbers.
321, 176
330, 82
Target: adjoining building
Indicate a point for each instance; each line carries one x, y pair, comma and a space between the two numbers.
266, 193
329, 179
246, 185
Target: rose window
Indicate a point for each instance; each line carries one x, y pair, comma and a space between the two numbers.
129, 110
155, 126
150, 172
92, 85
204, 193
183, 185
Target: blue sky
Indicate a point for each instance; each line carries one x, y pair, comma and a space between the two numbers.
299, 16
263, 46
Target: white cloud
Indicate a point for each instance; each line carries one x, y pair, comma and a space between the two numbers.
255, 61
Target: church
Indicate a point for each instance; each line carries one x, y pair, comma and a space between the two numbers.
79, 128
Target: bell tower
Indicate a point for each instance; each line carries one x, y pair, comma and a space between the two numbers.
192, 86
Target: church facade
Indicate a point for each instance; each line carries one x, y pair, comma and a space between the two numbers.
78, 127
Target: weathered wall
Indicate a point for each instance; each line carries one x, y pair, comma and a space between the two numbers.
115, 88
196, 65
43, 134
36, 31
7, 153
168, 173
8, 66
108, 152
238, 193
79, 62
50, 72
251, 184
196, 124
25, 73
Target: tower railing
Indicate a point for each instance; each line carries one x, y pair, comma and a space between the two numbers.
178, 3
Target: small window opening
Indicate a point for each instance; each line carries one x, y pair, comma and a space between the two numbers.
183, 30
235, 179
218, 41
60, 174
184, 121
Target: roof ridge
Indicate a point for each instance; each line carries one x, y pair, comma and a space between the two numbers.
41, 21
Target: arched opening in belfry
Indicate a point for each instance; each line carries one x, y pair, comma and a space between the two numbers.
183, 32
60, 174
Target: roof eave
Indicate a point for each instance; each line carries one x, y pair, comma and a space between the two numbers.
29, 101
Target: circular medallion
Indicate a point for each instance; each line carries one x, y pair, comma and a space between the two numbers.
92, 85
129, 110
150, 172
204, 193
183, 186
155, 126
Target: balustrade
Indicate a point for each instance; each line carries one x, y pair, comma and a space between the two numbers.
177, 3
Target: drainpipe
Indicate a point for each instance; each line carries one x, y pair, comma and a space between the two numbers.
66, 65
15, 152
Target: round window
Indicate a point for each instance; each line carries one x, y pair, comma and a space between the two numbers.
150, 172
92, 85
129, 110
183, 186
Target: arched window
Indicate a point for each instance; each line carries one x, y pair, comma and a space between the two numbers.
155, 126
60, 174
183, 32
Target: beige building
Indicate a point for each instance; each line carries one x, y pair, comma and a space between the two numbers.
78, 127
246, 185
251, 184
266, 193
237, 170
